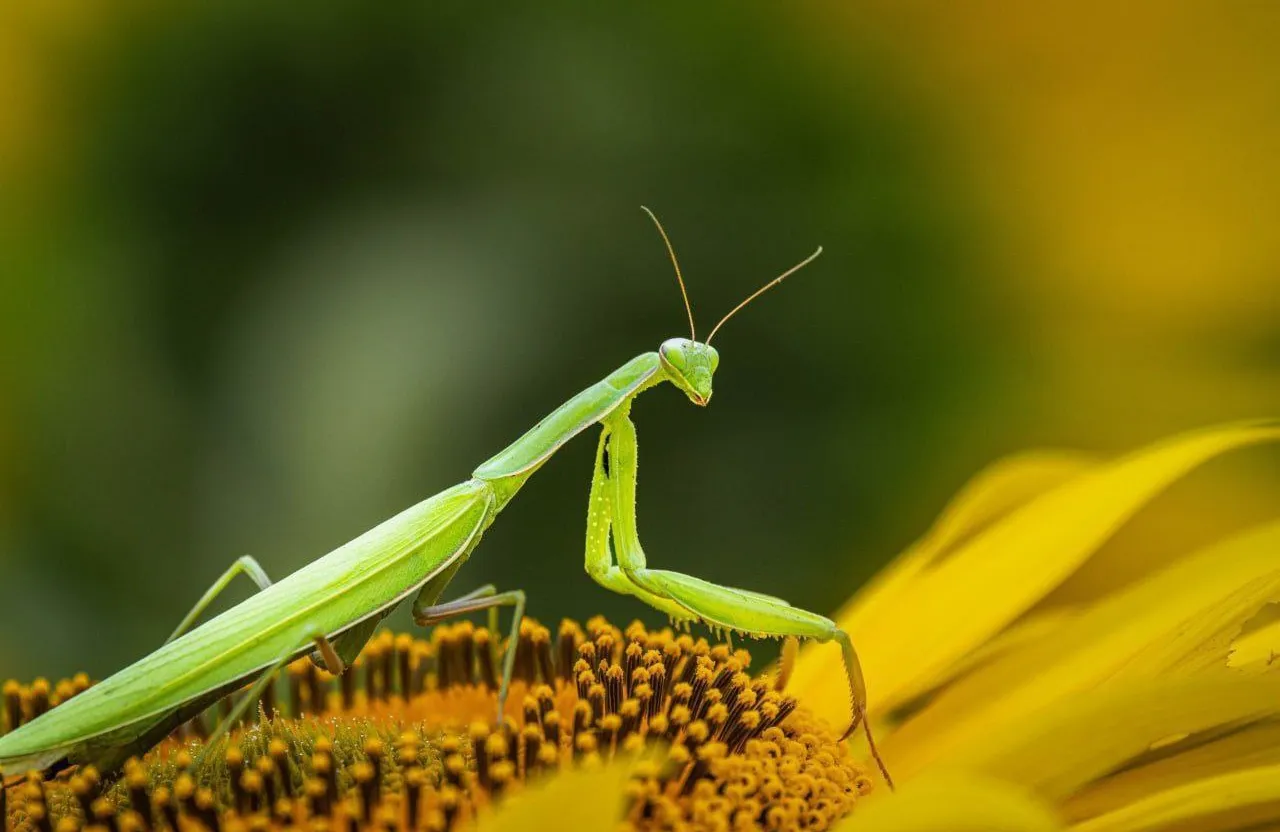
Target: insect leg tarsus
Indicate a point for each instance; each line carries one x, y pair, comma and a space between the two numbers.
246, 565
858, 700
485, 598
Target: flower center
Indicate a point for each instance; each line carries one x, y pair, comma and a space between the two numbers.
406, 739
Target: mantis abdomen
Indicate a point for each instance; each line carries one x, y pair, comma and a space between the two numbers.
361, 580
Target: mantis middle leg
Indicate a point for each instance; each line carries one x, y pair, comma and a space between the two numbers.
427, 612
750, 613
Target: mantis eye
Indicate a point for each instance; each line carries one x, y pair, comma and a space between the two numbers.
674, 354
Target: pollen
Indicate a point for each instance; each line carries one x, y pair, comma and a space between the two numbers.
408, 739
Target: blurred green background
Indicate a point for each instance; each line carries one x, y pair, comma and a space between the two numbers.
271, 274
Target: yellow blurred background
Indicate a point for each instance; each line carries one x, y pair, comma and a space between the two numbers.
269, 275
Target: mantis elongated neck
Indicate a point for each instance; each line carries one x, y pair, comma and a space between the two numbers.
512, 466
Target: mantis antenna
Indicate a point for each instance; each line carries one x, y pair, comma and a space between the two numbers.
683, 292
766, 287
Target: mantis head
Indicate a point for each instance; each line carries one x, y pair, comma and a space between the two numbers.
690, 365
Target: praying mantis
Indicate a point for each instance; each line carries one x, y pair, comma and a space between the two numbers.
334, 604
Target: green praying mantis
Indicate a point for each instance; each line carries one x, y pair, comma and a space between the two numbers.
331, 607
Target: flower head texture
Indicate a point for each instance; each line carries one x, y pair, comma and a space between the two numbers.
1006, 690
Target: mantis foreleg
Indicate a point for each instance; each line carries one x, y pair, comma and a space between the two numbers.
245, 564
721, 607
599, 561
750, 613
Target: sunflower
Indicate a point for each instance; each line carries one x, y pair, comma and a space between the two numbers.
1001, 700
407, 739
1025, 676
1123, 701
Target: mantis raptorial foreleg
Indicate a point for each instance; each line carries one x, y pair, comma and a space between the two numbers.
485, 598
720, 607
599, 561
245, 564
751, 613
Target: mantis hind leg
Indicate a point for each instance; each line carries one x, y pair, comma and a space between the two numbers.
485, 598
246, 565
333, 663
347, 645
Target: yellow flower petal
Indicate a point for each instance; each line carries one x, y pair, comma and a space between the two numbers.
1180, 620
953, 803
1001, 488
1259, 647
1176, 764
1079, 739
1033, 629
1239, 800
995, 492
589, 797
960, 602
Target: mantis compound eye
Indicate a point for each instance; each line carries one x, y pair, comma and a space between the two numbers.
690, 365
675, 353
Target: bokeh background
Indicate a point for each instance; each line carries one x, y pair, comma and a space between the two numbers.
269, 274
